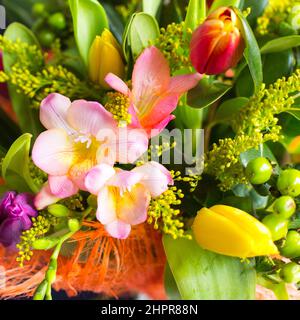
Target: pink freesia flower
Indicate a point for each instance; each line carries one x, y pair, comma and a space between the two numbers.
155, 94
80, 135
124, 196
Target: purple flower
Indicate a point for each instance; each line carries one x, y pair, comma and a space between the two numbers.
16, 211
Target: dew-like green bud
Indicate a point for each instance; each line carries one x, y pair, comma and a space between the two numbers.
58, 210
73, 225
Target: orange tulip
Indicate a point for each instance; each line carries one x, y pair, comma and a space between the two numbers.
217, 44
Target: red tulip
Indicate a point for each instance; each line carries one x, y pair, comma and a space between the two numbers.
217, 44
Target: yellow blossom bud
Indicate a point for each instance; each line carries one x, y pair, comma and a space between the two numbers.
105, 57
230, 231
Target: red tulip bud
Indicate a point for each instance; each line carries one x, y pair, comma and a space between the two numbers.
217, 44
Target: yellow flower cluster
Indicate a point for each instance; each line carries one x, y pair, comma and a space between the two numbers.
74, 203
40, 226
38, 176
164, 217
276, 11
254, 124
174, 43
118, 104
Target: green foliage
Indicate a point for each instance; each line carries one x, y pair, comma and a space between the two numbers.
252, 52
206, 93
15, 166
281, 44
204, 275
89, 20
151, 7
196, 13
141, 30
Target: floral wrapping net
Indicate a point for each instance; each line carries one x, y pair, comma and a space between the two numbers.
134, 265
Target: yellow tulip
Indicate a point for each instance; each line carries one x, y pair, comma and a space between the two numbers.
105, 57
232, 232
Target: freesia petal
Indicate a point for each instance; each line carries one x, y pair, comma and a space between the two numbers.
126, 145
184, 83
156, 177
44, 198
118, 84
89, 117
132, 205
97, 178
159, 127
151, 77
53, 152
107, 210
125, 179
62, 187
53, 112
160, 111
118, 229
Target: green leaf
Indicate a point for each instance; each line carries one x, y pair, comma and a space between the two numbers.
206, 93
252, 52
151, 7
196, 12
125, 40
204, 275
281, 44
142, 30
28, 118
15, 167
89, 20
230, 107
170, 284
290, 133
225, 3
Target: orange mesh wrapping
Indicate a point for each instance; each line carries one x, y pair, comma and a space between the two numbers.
94, 261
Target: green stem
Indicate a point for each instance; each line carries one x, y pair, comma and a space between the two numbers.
44, 290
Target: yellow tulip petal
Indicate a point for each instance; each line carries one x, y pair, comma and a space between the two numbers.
256, 230
244, 220
217, 233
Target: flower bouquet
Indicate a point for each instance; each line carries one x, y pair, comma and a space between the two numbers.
150, 147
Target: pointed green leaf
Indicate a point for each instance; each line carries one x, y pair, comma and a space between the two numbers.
15, 166
252, 51
230, 107
204, 275
206, 93
281, 44
151, 7
196, 12
89, 20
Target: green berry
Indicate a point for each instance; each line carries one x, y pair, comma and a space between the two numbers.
284, 206
46, 38
288, 182
57, 21
291, 272
291, 247
259, 170
38, 9
277, 226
